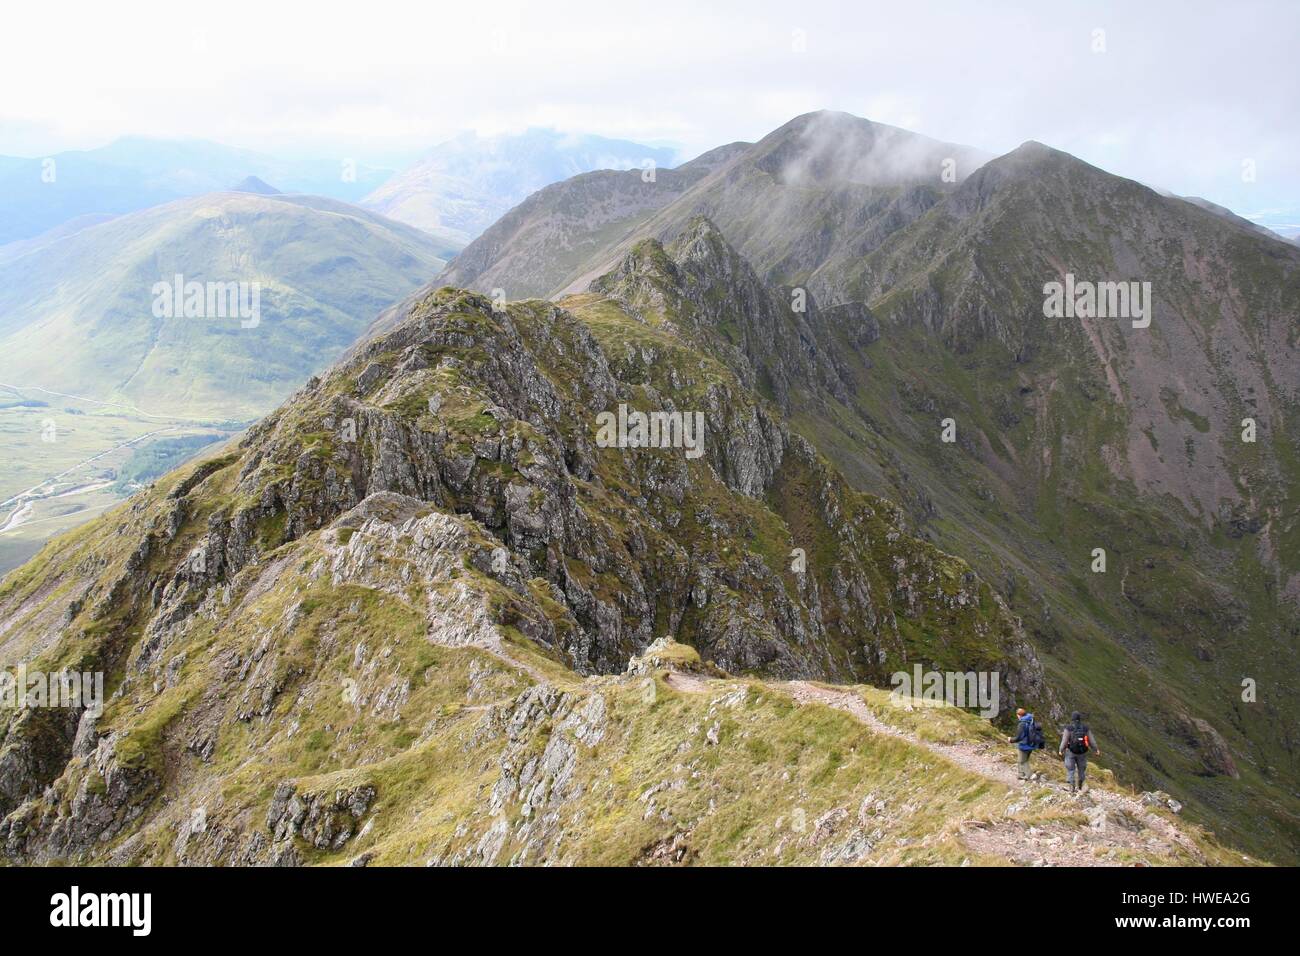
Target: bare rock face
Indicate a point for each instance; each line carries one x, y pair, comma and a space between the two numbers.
95, 798
768, 335
324, 820
26, 768
1211, 748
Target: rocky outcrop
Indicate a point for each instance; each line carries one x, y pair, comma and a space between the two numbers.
771, 337
324, 820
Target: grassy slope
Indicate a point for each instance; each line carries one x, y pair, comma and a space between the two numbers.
1187, 608
77, 316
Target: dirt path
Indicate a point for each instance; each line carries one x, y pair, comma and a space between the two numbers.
494, 645
1116, 821
974, 758
1120, 827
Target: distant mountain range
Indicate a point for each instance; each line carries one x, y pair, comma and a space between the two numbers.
251, 184
137, 172
77, 311
1283, 220
464, 185
455, 192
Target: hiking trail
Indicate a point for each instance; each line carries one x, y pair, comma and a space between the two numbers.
1115, 821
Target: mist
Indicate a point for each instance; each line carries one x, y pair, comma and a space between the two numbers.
1180, 96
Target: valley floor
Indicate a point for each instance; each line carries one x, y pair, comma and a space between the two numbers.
59, 455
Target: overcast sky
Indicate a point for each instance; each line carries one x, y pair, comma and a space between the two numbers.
1176, 94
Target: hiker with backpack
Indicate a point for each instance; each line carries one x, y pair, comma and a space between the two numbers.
1029, 737
1076, 742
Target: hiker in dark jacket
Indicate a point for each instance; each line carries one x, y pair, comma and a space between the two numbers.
1076, 742
1023, 739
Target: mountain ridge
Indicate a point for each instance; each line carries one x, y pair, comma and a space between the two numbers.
477, 452
135, 172
746, 193
1069, 435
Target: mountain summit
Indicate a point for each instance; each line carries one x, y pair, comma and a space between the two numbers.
824, 181
251, 184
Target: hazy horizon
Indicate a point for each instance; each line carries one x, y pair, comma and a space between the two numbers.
1178, 96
